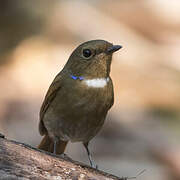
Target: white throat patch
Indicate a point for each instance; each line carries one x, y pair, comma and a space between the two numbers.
96, 83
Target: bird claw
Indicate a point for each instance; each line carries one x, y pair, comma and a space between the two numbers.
93, 165
63, 155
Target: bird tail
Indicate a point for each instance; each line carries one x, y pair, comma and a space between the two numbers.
47, 144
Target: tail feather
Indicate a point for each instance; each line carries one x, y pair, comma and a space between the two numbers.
47, 144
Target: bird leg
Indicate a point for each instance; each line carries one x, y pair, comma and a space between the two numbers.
54, 149
93, 165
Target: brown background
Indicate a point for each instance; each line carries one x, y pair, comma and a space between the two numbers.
142, 130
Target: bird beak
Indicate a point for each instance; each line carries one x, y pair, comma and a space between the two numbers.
114, 48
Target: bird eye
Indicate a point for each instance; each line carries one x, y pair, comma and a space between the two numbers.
87, 53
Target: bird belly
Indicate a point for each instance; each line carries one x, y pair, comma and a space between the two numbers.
79, 116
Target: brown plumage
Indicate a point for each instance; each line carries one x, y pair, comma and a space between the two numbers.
77, 102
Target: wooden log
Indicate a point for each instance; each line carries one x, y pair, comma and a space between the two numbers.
21, 161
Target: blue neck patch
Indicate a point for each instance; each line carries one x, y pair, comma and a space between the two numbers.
76, 77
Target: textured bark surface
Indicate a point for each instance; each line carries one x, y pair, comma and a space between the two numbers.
23, 162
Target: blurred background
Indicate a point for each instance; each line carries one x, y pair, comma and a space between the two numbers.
142, 130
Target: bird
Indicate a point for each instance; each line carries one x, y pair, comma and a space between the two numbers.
79, 98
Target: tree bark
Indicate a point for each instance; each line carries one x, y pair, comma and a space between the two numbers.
23, 162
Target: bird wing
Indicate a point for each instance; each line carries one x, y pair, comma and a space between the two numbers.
51, 94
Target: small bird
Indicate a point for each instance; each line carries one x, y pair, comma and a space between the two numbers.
77, 102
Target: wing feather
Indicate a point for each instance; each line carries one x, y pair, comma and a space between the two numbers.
51, 94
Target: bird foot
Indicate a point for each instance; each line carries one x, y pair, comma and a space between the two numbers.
95, 166
65, 156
